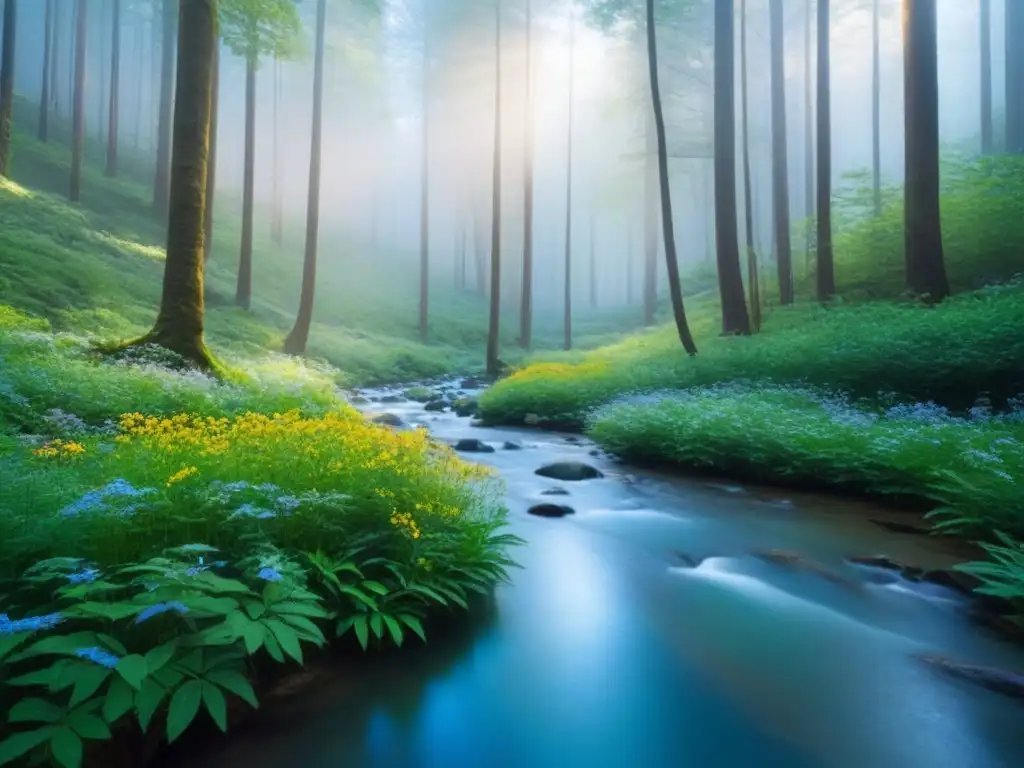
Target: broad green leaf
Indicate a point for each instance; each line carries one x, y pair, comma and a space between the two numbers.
64, 645
431, 593
215, 705
394, 628
8, 643
34, 711
273, 647
89, 681
254, 637
148, 700
183, 708
119, 699
39, 677
375, 586
376, 626
236, 683
89, 726
344, 625
311, 610
18, 744
133, 669
287, 637
306, 628
359, 595
221, 585
414, 624
159, 656
255, 608
109, 611
66, 748
362, 631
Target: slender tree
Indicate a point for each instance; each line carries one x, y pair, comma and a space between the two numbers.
593, 266
780, 154
730, 276
115, 88
630, 268
526, 301
753, 287
671, 262
567, 295
926, 270
295, 344
211, 165
425, 185
161, 179
985, 22
179, 324
826, 267
651, 202
809, 191
276, 199
7, 59
44, 96
1014, 76
55, 59
876, 112
492, 362
78, 108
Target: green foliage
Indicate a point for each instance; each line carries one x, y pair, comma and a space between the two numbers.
253, 29
1003, 576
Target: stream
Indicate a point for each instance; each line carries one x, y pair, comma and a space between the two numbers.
607, 650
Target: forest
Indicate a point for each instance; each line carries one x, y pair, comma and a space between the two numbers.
512, 383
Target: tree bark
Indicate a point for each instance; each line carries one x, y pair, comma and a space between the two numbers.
211, 164
243, 288
492, 362
650, 220
567, 289
526, 299
179, 324
55, 59
115, 81
986, 77
730, 276
1014, 76
276, 202
809, 191
44, 96
425, 190
295, 344
753, 286
876, 113
926, 271
674, 286
826, 267
780, 155
161, 182
7, 85
78, 109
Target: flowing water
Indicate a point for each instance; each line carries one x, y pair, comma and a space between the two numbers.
605, 652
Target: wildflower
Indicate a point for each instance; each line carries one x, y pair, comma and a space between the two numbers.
84, 577
235, 487
288, 503
96, 500
98, 656
269, 574
159, 608
31, 624
181, 474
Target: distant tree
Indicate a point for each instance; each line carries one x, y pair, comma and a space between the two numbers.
567, 290
593, 265
253, 29
115, 88
55, 55
926, 270
753, 288
211, 165
276, 193
675, 288
1014, 76
78, 108
730, 277
48, 54
826, 267
7, 59
425, 183
809, 191
986, 76
295, 344
161, 178
526, 301
179, 323
876, 112
492, 362
780, 154
651, 202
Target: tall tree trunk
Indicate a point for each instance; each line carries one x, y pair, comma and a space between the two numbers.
926, 270
809, 191
276, 202
161, 181
7, 85
780, 154
492, 362
295, 344
730, 275
986, 77
243, 288
115, 87
1014, 76
211, 165
479, 255
674, 286
567, 290
141, 67
826, 267
593, 266
425, 190
72, 31
55, 59
753, 287
629, 265
650, 219
44, 96
876, 113
102, 105
78, 109
526, 300
179, 325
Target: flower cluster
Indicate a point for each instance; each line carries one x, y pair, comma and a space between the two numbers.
404, 521
59, 449
108, 498
182, 474
32, 624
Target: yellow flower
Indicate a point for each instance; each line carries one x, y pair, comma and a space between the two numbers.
181, 474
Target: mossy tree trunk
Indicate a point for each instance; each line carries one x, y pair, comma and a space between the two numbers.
668, 231
161, 179
526, 295
243, 288
826, 265
179, 324
752, 272
7, 85
115, 89
78, 108
276, 199
780, 155
809, 191
43, 126
925, 266
492, 362
211, 165
985, 45
730, 275
295, 343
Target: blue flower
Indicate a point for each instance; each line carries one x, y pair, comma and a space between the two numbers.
84, 577
31, 624
267, 487
98, 656
95, 500
288, 503
238, 485
269, 574
158, 608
